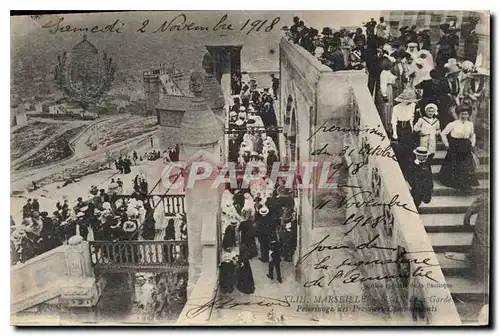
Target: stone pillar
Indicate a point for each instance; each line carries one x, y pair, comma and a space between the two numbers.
483, 35
80, 290
201, 131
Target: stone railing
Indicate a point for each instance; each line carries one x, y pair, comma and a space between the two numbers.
139, 256
335, 118
62, 276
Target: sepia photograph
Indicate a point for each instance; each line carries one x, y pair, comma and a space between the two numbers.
250, 168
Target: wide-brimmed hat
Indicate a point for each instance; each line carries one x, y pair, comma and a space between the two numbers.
421, 151
407, 96
85, 208
467, 65
480, 72
264, 210
239, 122
233, 114
80, 214
242, 109
452, 66
412, 45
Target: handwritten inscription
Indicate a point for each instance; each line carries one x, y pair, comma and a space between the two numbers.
59, 27
353, 274
335, 128
178, 23
230, 303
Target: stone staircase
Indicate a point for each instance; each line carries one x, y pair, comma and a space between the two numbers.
443, 221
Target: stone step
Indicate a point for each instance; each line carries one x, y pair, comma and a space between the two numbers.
441, 190
444, 219
447, 204
440, 155
446, 222
467, 289
450, 242
452, 267
481, 173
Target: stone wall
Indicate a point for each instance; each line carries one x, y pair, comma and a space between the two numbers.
335, 118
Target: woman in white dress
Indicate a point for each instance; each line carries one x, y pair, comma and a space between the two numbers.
458, 169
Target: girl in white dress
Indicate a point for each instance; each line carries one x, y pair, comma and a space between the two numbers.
428, 128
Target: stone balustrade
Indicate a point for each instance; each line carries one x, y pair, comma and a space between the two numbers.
62, 276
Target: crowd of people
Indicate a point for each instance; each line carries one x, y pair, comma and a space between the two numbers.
251, 119
102, 215
421, 98
258, 220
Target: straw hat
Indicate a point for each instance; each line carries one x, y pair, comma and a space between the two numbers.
233, 114
421, 151
452, 66
412, 45
264, 210
407, 96
239, 122
80, 215
85, 208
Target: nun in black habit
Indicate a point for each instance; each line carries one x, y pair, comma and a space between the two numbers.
244, 275
229, 239
227, 272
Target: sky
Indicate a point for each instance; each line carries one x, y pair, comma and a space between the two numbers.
135, 50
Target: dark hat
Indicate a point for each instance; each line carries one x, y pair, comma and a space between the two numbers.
296, 18
435, 73
79, 199
444, 26
403, 29
326, 31
464, 108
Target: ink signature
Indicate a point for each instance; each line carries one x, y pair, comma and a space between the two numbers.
231, 303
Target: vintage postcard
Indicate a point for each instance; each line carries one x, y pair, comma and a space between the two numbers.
320, 168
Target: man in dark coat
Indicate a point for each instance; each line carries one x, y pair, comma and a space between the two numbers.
421, 177
149, 230
275, 260
36, 205
265, 229
238, 200
28, 209
275, 85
